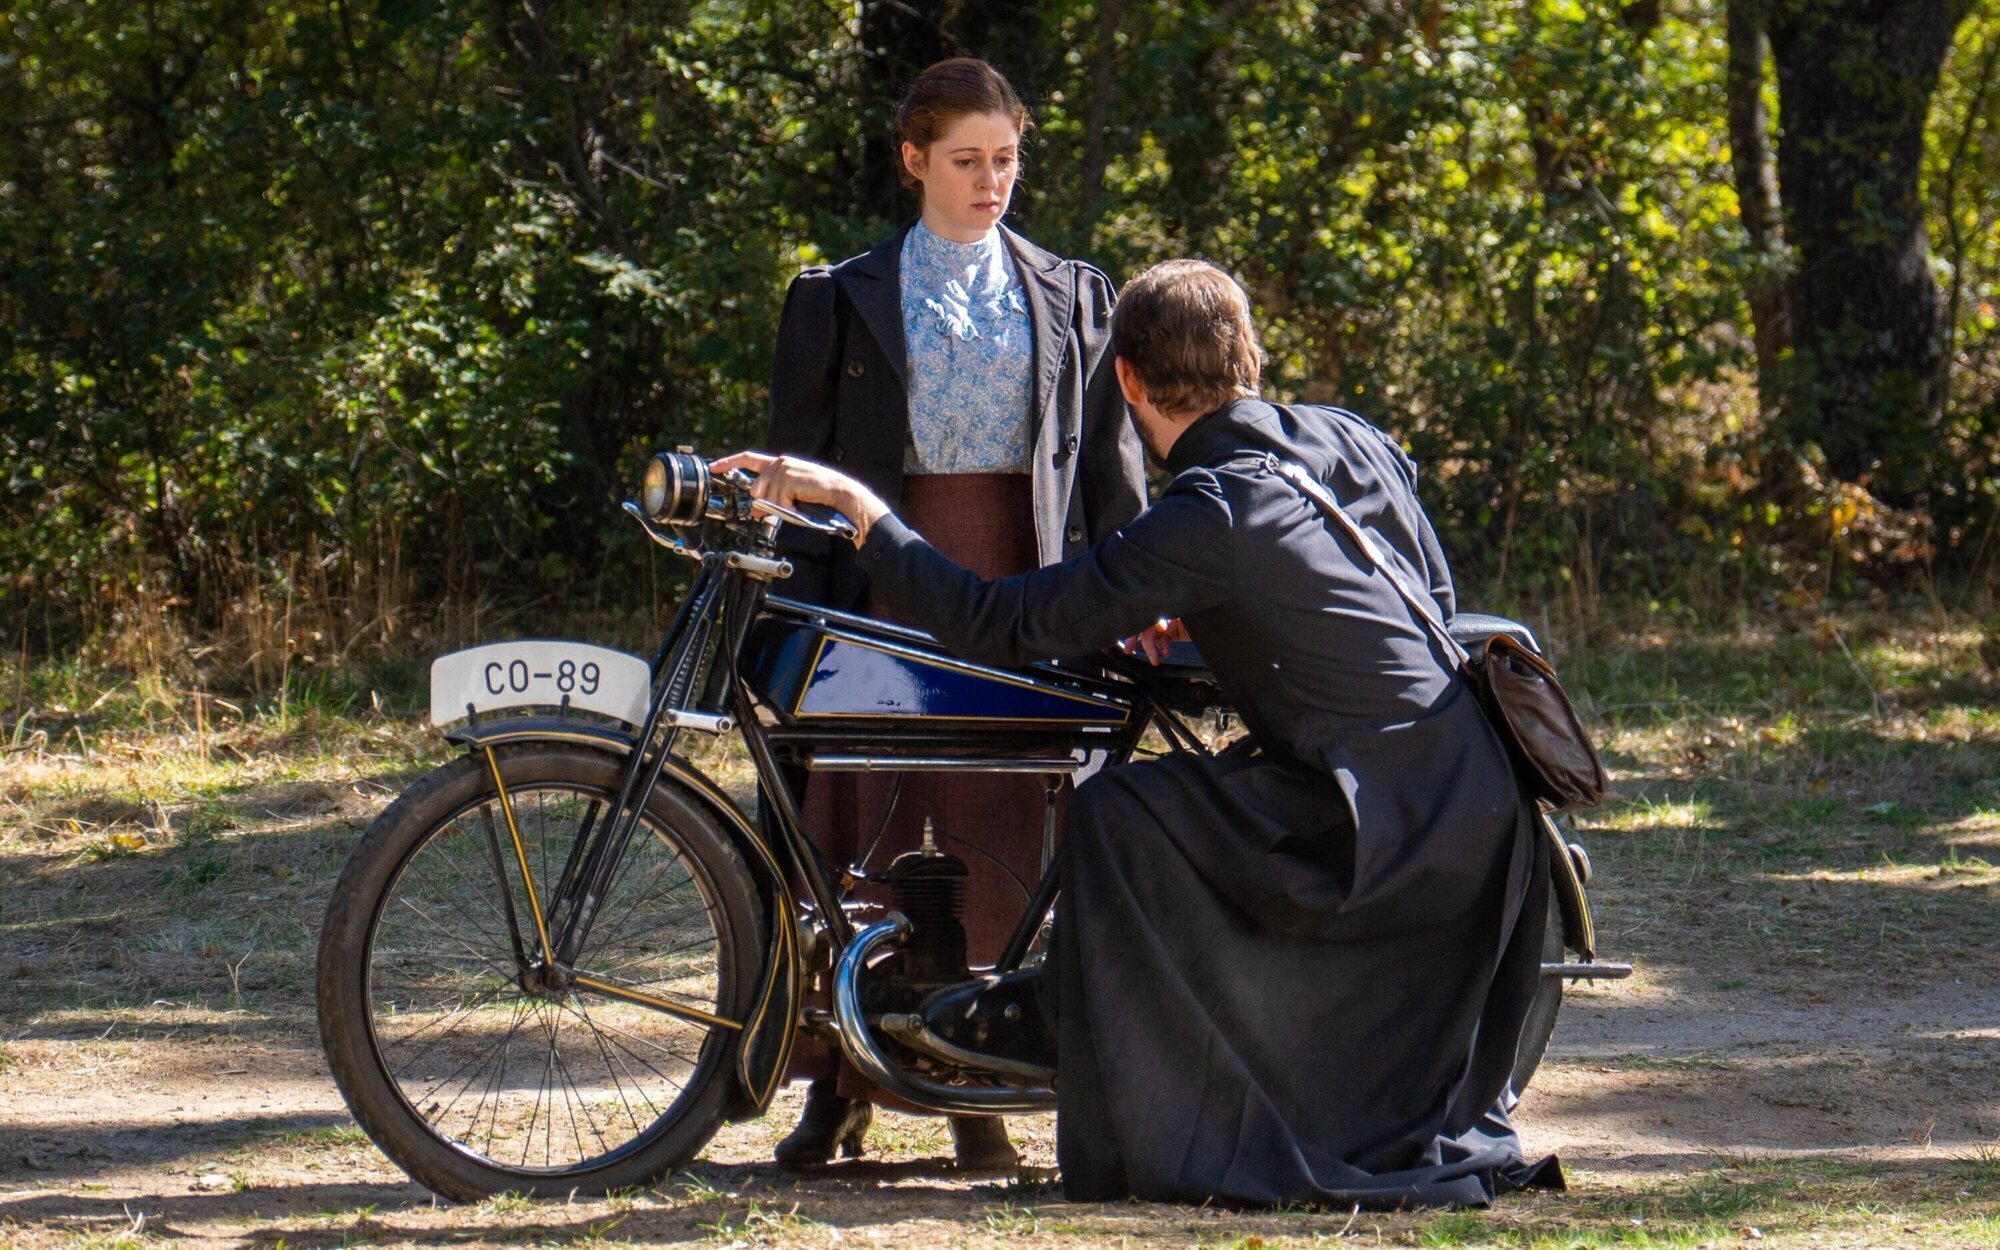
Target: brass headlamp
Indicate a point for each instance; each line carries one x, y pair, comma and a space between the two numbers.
677, 489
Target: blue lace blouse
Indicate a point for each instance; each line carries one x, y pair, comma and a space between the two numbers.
970, 347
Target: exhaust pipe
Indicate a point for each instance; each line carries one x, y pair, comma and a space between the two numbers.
862, 1049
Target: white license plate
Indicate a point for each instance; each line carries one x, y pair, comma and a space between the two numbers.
539, 672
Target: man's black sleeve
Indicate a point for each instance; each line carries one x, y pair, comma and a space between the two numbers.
1174, 559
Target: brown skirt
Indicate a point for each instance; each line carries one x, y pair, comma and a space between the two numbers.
984, 522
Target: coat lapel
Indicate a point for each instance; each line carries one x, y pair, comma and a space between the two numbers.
876, 291
1051, 289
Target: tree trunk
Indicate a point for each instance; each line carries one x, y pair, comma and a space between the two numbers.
1102, 82
1855, 79
1954, 230
897, 39
1007, 33
1756, 177
1197, 92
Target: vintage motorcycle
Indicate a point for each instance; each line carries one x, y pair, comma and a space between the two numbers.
560, 962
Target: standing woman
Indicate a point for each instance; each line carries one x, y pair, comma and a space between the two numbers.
961, 372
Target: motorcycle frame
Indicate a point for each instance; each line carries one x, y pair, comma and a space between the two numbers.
698, 685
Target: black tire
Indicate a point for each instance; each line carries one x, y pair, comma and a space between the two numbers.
1540, 1025
419, 983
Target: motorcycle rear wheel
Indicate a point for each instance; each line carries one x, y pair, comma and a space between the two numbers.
470, 1074
1540, 1025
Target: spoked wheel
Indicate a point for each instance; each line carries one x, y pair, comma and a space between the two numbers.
473, 1063
1540, 1025
1541, 1022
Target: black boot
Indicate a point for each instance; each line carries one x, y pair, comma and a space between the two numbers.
830, 1122
980, 1144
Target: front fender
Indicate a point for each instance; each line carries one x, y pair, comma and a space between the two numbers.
768, 1037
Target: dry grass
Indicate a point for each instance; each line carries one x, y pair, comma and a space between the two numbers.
1804, 826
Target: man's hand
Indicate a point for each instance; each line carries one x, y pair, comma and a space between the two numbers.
1158, 642
788, 480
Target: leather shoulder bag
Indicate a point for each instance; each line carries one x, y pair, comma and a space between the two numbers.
1535, 719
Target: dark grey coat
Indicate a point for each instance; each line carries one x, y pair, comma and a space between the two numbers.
1297, 972
839, 394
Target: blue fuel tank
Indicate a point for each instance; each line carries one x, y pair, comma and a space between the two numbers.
810, 664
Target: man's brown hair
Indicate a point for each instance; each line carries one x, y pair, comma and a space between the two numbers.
1184, 328
946, 92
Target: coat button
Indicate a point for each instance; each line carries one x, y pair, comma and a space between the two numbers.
838, 453
1069, 443
855, 368
1075, 534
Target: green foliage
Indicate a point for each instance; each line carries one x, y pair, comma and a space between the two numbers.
395, 295
1962, 159
313, 313
1504, 231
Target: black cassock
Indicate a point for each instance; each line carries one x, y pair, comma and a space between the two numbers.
1298, 972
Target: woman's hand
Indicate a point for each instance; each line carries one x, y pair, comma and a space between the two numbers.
788, 480
1158, 642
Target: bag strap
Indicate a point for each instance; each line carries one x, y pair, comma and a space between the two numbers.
1423, 605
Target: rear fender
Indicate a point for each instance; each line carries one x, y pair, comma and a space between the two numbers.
767, 1039
1579, 934
1470, 630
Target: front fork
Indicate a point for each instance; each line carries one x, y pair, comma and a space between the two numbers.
683, 672
522, 960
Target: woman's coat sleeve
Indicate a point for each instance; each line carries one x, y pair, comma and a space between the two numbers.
803, 369
1112, 468
804, 373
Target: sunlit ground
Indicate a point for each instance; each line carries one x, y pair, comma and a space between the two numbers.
1800, 862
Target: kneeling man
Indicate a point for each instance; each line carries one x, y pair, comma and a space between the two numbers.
1295, 972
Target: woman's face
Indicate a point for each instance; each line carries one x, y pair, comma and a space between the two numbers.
968, 174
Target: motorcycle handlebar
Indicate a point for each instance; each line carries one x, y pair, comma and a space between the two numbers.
679, 490
812, 516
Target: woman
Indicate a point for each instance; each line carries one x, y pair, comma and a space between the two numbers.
960, 371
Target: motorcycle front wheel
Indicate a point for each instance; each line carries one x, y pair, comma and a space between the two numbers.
464, 1061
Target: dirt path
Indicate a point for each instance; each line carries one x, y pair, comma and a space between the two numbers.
1661, 1078
1811, 1044
1637, 1080
224, 1129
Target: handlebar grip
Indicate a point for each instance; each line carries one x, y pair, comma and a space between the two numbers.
835, 522
812, 516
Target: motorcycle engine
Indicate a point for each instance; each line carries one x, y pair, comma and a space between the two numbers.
928, 886
929, 976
